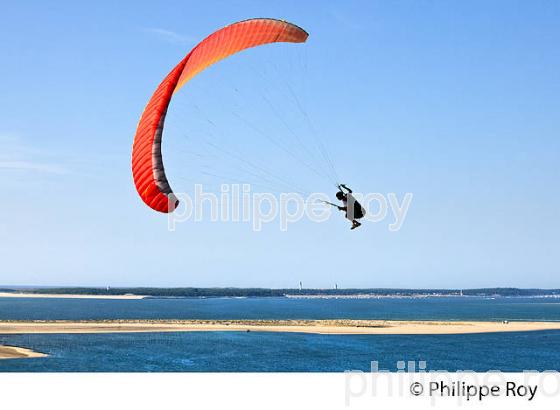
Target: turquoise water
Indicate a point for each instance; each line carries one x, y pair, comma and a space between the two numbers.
259, 351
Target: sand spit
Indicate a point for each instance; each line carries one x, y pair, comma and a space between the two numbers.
67, 296
302, 326
13, 352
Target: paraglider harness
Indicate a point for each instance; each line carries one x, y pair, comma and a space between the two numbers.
354, 209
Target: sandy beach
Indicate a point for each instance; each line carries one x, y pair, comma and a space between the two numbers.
66, 296
303, 326
13, 352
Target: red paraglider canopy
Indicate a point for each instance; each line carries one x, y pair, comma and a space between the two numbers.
147, 164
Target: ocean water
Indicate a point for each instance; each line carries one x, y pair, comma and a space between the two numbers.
432, 308
284, 352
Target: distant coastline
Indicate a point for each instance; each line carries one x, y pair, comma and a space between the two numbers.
192, 292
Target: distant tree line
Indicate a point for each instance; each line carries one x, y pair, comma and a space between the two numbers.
266, 292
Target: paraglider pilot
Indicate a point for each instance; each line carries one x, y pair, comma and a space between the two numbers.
353, 209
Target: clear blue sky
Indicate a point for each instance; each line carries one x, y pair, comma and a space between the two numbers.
457, 102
